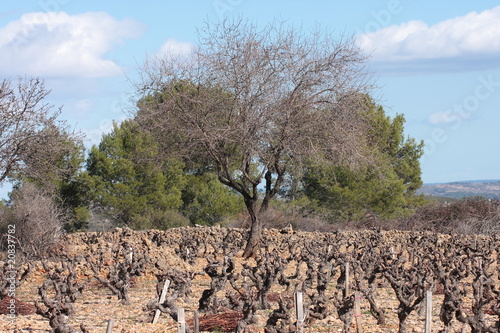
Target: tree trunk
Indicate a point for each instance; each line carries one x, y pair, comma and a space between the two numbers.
255, 230
270, 189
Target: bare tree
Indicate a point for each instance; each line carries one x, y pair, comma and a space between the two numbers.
32, 140
253, 102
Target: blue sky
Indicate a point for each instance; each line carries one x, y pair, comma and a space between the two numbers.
438, 63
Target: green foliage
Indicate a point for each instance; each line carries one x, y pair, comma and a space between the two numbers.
74, 196
385, 188
131, 182
349, 194
51, 174
63, 180
207, 201
128, 177
386, 135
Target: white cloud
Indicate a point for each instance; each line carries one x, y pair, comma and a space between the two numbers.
467, 42
62, 45
444, 117
82, 107
174, 47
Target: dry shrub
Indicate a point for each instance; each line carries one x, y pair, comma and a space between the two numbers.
282, 217
38, 220
4, 221
472, 216
468, 216
278, 219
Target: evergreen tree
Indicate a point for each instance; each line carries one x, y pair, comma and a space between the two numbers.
207, 201
129, 179
133, 183
386, 188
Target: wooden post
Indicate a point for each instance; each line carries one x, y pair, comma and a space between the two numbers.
393, 254
357, 311
428, 311
131, 256
299, 311
347, 290
162, 299
181, 320
111, 323
196, 323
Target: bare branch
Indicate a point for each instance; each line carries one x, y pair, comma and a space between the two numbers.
252, 102
31, 138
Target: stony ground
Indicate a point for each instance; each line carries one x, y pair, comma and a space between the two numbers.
97, 305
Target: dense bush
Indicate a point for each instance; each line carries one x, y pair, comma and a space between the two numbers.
206, 201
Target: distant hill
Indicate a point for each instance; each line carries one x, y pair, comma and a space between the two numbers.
458, 190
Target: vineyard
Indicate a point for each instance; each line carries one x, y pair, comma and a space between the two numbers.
120, 274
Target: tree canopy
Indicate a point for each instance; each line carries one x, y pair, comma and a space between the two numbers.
128, 178
385, 188
251, 113
253, 101
133, 184
33, 142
